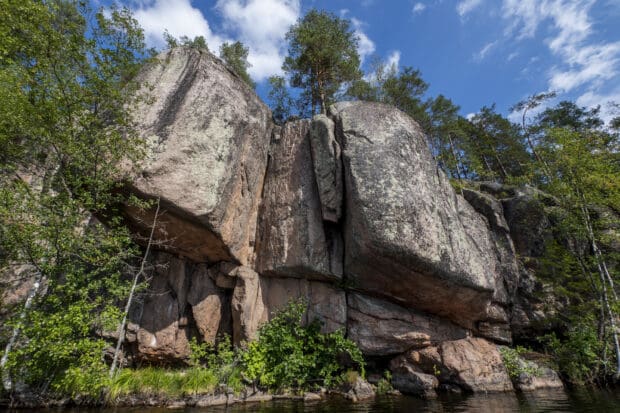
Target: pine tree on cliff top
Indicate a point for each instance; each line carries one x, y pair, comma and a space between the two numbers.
322, 55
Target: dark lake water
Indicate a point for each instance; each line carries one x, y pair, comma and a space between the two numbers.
581, 400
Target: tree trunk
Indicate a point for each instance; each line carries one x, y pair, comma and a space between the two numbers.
532, 148
7, 382
121, 330
456, 160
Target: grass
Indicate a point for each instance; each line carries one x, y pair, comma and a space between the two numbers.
154, 381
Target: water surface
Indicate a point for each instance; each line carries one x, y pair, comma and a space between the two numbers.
557, 401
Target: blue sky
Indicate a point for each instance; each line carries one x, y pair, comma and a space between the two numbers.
476, 52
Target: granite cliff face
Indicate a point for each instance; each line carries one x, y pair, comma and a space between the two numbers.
347, 211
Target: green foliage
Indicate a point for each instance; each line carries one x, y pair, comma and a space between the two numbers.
384, 386
515, 364
288, 355
403, 89
209, 368
198, 42
280, 100
322, 55
578, 354
152, 381
65, 78
236, 56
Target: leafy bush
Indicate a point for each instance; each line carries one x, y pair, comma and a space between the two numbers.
578, 354
288, 355
384, 385
515, 364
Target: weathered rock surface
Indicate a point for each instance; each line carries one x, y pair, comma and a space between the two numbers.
359, 390
325, 302
475, 365
181, 302
383, 328
259, 215
163, 335
248, 309
528, 222
326, 158
293, 241
408, 236
208, 136
409, 379
535, 375
495, 326
210, 305
545, 378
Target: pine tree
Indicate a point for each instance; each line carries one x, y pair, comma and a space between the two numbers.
322, 56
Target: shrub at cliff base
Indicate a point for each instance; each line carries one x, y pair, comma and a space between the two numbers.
288, 355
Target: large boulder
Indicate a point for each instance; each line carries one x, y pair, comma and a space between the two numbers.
409, 379
293, 241
528, 221
475, 364
207, 135
408, 235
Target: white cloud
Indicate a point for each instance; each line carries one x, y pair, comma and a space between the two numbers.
418, 8
485, 51
366, 46
466, 6
583, 63
176, 16
261, 25
393, 59
592, 99
517, 116
512, 56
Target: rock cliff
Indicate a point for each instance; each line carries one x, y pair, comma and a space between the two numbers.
348, 212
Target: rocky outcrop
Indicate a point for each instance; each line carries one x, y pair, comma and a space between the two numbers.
292, 240
496, 325
412, 240
347, 212
473, 364
208, 135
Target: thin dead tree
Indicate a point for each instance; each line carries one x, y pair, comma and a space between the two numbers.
525, 106
7, 382
140, 273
